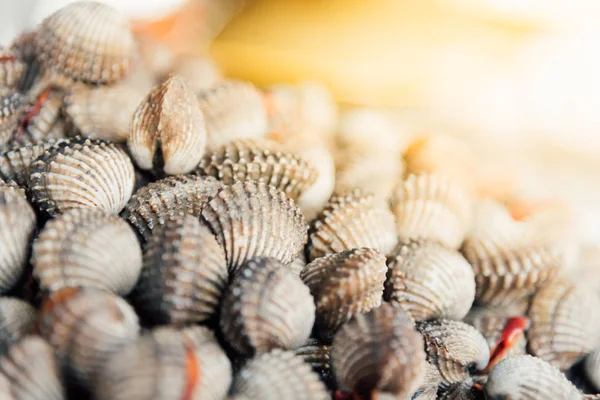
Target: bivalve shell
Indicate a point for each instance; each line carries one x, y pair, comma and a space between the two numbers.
41, 118
24, 46
201, 72
592, 368
316, 353
11, 68
11, 112
17, 319
313, 199
15, 163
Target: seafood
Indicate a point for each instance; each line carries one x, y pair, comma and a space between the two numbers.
315, 353
15, 163
17, 319
11, 68
592, 368
314, 198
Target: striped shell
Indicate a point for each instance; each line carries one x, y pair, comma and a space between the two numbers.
351, 221
184, 274
87, 248
430, 281
253, 219
278, 375
17, 319
316, 354
41, 118
168, 134
379, 352
528, 378
11, 112
154, 204
592, 368
432, 208
266, 307
11, 68
343, 285
24, 46
86, 326
15, 163
87, 41
82, 173
167, 364
459, 391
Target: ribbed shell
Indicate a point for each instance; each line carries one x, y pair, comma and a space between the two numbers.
253, 219
24, 46
350, 221
528, 378
316, 354
168, 133
15, 163
298, 264
454, 347
86, 326
379, 351
432, 208
343, 285
278, 375
314, 198
87, 41
41, 118
154, 204
266, 307
260, 161
17, 319
11, 112
184, 274
82, 173
233, 110
87, 248
564, 324
31, 372
18, 223
167, 364
11, 68
430, 281
458, 391
592, 368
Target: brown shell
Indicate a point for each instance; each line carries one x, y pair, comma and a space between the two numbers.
168, 134
167, 364
41, 118
260, 161
592, 368
527, 377
11, 112
343, 285
432, 208
154, 204
201, 72
313, 199
459, 391
430, 281
253, 219
87, 248
82, 173
30, 372
379, 351
564, 327
18, 222
350, 221
278, 375
17, 319
15, 163
316, 353
24, 46
184, 274
11, 67
86, 326
266, 307
87, 41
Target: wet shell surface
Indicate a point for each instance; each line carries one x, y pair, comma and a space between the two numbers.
15, 163
592, 368
266, 307
168, 133
379, 352
184, 274
343, 285
87, 41
253, 219
87, 248
350, 221
430, 281
278, 375
260, 161
82, 173
11, 68
17, 319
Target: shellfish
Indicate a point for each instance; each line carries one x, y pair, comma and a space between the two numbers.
11, 68
316, 354
15, 163
592, 368
41, 118
10, 114
24, 47
314, 198
17, 319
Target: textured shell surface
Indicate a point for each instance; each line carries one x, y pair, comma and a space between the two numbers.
349, 221
379, 351
314, 198
592, 368
154, 204
15, 163
11, 112
82, 173
459, 391
168, 133
528, 378
431, 207
266, 307
343, 285
87, 248
42, 118
278, 375
184, 274
298, 264
252, 219
88, 41
17, 319
24, 46
430, 281
11, 67
315, 353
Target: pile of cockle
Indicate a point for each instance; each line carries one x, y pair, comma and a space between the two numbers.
168, 234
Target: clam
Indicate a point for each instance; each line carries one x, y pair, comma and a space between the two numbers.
316, 353
266, 306
379, 352
168, 134
184, 274
15, 163
201, 72
349, 221
592, 368
82, 173
17, 319
11, 106
42, 118
343, 285
430, 281
298, 264
87, 248
312, 201
252, 219
11, 68
24, 47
